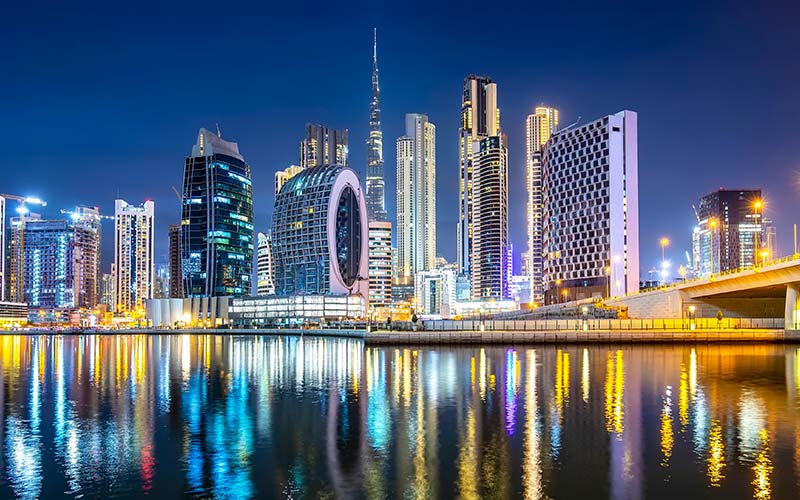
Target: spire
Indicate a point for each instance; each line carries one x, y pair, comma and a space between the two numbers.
374, 47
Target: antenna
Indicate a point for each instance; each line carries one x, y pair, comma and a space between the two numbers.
219, 133
375, 46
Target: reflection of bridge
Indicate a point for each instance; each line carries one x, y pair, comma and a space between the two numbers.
761, 292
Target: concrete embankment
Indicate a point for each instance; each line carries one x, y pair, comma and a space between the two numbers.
579, 337
284, 332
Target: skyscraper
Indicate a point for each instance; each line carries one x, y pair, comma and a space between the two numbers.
591, 209
265, 267
2, 249
320, 234
323, 146
175, 265
729, 231
48, 277
376, 207
416, 196
87, 237
380, 264
217, 222
133, 255
539, 126
491, 272
282, 176
480, 118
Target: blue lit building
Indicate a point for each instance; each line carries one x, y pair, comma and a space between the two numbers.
320, 235
48, 260
217, 236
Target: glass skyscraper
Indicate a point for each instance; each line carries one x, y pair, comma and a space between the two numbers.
217, 220
375, 167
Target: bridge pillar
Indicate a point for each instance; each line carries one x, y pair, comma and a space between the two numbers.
790, 317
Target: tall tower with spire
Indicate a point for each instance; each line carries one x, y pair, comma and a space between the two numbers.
376, 207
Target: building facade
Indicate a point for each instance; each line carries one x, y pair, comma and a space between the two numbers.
3, 276
491, 256
380, 264
416, 196
134, 268
265, 267
539, 126
323, 146
175, 265
480, 118
48, 262
435, 292
87, 229
591, 209
376, 183
729, 232
320, 234
281, 176
217, 237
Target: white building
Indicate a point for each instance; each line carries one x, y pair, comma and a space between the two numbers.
491, 251
591, 209
416, 196
133, 254
539, 126
435, 292
265, 268
380, 264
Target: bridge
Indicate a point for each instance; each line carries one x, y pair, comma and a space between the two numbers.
768, 291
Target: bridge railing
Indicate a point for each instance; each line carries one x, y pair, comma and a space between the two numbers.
589, 324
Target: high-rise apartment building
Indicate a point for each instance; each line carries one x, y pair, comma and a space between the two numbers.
416, 196
435, 292
323, 146
380, 264
376, 183
729, 232
491, 264
591, 209
107, 288
133, 255
86, 242
320, 234
265, 267
480, 118
539, 126
218, 236
48, 260
282, 176
175, 266
2, 249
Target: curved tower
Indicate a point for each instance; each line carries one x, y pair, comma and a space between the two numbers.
375, 178
320, 234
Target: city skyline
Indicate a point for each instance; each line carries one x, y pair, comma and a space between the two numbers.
667, 187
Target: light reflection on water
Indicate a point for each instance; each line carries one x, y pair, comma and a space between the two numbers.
237, 417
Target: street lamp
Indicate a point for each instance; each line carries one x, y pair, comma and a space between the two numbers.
608, 281
664, 243
691, 317
757, 206
764, 253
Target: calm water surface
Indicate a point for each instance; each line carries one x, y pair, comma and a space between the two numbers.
236, 417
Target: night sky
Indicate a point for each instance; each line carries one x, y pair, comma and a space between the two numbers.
106, 98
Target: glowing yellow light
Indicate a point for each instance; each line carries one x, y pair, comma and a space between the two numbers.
716, 454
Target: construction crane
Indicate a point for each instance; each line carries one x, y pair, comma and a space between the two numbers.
175, 190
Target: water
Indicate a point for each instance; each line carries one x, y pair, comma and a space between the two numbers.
235, 417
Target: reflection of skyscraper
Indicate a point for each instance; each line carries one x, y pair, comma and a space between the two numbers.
217, 235
375, 173
133, 254
323, 146
480, 118
538, 127
416, 196
490, 246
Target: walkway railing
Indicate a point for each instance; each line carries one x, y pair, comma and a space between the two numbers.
596, 324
